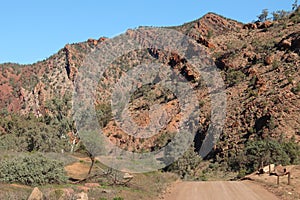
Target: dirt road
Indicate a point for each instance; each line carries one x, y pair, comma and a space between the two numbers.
218, 190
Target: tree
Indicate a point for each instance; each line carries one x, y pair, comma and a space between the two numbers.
264, 15
28, 133
295, 5
94, 145
280, 14
276, 16
186, 166
263, 152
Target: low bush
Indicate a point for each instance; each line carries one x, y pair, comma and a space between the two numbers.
186, 166
234, 77
32, 169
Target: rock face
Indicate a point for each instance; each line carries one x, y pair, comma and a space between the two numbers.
92, 42
36, 194
291, 42
71, 65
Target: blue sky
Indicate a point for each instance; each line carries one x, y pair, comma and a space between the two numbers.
33, 30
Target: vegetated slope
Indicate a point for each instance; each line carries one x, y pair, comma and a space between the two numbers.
259, 63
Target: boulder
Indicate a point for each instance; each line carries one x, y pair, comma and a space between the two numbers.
252, 71
250, 26
284, 44
269, 60
127, 176
92, 42
265, 24
81, 196
36, 194
211, 45
290, 57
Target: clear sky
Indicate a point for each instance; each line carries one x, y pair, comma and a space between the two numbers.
32, 30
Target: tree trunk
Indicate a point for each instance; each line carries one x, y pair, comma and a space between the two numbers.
92, 164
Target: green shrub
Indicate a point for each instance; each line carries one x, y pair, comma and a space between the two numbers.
234, 77
104, 114
242, 173
118, 198
28, 133
187, 165
266, 151
296, 89
32, 169
293, 151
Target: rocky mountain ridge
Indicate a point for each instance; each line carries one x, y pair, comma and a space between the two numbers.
258, 61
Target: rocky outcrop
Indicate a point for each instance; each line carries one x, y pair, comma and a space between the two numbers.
265, 24
102, 39
70, 65
92, 42
214, 23
250, 26
205, 42
291, 42
295, 43
258, 25
263, 62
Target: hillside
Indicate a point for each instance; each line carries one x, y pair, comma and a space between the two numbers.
259, 62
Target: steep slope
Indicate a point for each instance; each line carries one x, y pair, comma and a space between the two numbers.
259, 63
